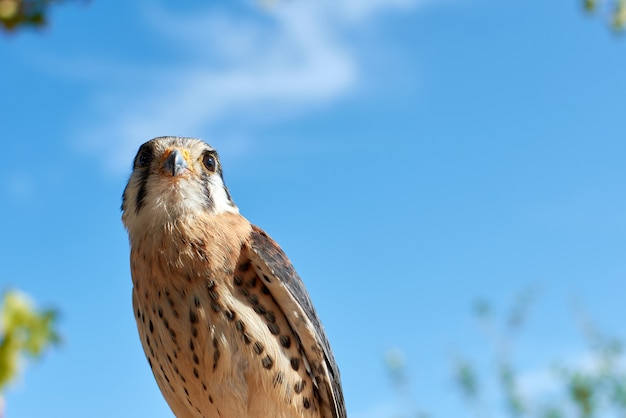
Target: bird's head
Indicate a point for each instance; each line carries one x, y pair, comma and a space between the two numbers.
174, 178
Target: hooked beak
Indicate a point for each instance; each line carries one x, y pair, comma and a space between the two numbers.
175, 163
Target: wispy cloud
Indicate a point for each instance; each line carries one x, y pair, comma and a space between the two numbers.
238, 71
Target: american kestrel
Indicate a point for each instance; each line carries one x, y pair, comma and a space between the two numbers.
225, 322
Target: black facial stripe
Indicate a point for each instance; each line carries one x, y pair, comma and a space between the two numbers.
206, 176
143, 189
141, 167
220, 172
208, 199
230, 199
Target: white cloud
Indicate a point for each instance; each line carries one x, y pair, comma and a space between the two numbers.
242, 70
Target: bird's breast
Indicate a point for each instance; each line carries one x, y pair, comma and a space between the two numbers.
216, 341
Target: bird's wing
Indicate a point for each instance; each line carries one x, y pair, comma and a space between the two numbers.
290, 294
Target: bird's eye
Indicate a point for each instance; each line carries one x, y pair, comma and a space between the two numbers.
144, 157
209, 162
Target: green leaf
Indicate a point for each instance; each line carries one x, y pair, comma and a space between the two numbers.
25, 331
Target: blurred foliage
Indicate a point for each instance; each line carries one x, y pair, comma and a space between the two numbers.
23, 331
614, 9
396, 367
17, 14
469, 379
594, 386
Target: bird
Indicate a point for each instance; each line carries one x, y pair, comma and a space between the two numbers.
225, 322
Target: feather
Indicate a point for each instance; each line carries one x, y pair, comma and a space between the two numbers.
288, 289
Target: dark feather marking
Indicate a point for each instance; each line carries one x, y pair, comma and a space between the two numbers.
279, 378
216, 357
243, 267
221, 173
208, 199
260, 309
267, 362
240, 325
143, 189
141, 165
274, 329
299, 387
230, 314
285, 341
270, 317
276, 260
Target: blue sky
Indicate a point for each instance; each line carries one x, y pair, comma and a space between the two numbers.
409, 156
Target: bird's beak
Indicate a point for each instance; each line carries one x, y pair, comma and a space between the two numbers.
175, 163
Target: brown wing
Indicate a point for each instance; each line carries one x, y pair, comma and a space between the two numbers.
289, 292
